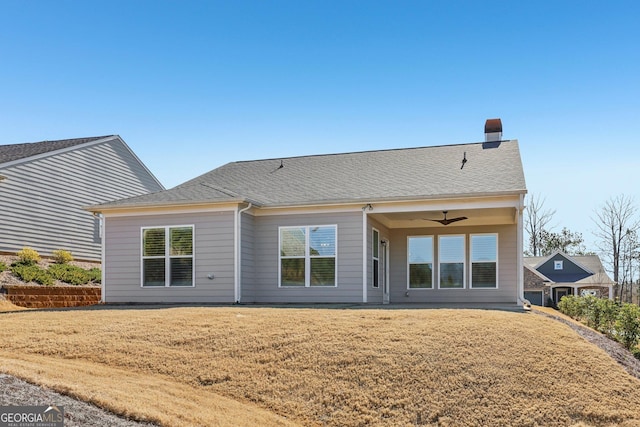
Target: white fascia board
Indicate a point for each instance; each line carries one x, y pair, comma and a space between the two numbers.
168, 210
266, 211
448, 204
512, 201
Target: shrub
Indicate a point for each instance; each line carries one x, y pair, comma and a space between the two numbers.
3, 266
60, 256
591, 311
619, 322
28, 256
608, 314
32, 273
95, 274
69, 274
628, 325
571, 306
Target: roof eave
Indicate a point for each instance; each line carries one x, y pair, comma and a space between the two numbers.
176, 204
393, 199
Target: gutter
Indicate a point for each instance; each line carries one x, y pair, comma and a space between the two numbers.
402, 199
107, 207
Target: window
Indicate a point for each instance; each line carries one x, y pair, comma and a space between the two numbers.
376, 258
557, 265
451, 257
167, 256
420, 256
484, 260
308, 256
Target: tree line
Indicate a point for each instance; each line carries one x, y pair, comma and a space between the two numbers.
616, 230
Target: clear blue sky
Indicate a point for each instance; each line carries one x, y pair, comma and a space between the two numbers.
193, 85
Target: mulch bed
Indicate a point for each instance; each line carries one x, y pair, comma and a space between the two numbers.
15, 392
7, 277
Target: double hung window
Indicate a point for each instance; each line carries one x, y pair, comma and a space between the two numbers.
308, 256
420, 255
484, 260
167, 256
451, 258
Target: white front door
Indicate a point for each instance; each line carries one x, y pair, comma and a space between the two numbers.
384, 273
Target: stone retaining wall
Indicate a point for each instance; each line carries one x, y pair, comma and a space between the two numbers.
52, 296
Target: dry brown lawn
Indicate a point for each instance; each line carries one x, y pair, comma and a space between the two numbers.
336, 367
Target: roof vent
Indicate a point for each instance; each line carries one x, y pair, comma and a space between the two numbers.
493, 130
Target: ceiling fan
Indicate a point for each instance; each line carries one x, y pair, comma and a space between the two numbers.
448, 221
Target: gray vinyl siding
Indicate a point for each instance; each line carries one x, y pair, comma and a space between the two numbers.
247, 248
42, 200
507, 267
570, 271
213, 254
349, 259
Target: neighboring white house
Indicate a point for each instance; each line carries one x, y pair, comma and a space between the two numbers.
364, 227
44, 187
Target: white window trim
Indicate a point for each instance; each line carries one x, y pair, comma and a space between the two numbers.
557, 263
307, 258
167, 256
433, 264
497, 261
374, 258
464, 261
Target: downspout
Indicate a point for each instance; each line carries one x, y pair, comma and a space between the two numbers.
526, 305
103, 257
238, 260
364, 254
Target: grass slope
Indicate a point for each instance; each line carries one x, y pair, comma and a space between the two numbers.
8, 306
322, 366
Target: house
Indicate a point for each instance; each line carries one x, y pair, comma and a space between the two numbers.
45, 186
434, 224
549, 278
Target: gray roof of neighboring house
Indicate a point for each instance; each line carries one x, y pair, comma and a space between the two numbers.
13, 152
384, 175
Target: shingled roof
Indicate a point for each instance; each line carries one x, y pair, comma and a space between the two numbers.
592, 263
13, 152
401, 174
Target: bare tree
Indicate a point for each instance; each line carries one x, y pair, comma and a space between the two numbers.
536, 221
615, 222
629, 256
